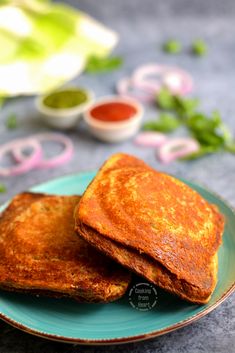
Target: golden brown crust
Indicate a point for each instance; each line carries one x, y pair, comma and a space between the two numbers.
40, 253
151, 270
154, 214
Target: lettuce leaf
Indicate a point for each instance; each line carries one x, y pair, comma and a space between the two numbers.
46, 44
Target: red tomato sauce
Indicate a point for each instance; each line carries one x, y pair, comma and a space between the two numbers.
113, 112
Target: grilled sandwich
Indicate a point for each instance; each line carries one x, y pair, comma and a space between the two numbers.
153, 224
41, 254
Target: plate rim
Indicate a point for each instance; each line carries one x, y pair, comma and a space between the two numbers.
119, 340
128, 339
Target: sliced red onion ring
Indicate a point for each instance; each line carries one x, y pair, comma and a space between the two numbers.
177, 80
150, 139
62, 158
141, 92
177, 148
143, 71
28, 162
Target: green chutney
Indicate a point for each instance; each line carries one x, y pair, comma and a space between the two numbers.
65, 99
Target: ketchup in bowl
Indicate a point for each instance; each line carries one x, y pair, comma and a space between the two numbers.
114, 118
113, 112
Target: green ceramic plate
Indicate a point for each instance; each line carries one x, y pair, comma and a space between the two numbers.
68, 321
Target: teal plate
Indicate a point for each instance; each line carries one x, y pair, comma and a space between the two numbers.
117, 322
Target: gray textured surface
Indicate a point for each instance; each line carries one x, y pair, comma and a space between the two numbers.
143, 25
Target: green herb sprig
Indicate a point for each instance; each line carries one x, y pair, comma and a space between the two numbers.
209, 131
199, 47
2, 188
166, 122
11, 121
97, 64
172, 46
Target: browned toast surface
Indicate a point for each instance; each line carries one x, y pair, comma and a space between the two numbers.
152, 270
40, 252
157, 219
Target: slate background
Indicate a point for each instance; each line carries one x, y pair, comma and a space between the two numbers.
143, 26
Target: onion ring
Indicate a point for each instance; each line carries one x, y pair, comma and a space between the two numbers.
150, 139
178, 81
26, 164
146, 94
177, 148
175, 79
142, 72
62, 158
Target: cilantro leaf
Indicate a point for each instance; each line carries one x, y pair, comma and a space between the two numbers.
2, 188
165, 123
204, 150
185, 106
11, 121
177, 104
172, 46
97, 64
165, 100
210, 131
199, 47
207, 130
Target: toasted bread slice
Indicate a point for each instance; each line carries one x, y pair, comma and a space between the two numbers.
41, 254
152, 270
155, 225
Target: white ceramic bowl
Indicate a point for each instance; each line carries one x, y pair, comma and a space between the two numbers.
63, 119
114, 131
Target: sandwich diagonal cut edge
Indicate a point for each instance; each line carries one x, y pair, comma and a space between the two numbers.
153, 224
